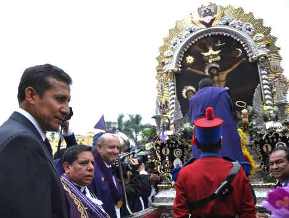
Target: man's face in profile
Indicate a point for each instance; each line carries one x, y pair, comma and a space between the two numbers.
50, 108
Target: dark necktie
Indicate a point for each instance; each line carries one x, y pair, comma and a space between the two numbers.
81, 189
48, 146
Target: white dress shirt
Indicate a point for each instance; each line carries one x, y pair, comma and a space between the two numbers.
33, 121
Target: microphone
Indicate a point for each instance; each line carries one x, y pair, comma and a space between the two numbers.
68, 115
135, 151
63, 125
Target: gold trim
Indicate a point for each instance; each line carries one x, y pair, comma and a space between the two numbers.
259, 39
80, 207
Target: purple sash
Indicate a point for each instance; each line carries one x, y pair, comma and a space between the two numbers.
92, 207
107, 173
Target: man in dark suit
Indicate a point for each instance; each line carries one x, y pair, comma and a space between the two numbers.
29, 185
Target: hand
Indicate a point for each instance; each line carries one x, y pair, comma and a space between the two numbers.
141, 167
128, 174
155, 179
134, 161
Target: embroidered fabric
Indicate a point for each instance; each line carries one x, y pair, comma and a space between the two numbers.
90, 205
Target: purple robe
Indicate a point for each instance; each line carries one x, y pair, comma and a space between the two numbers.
105, 186
220, 100
79, 204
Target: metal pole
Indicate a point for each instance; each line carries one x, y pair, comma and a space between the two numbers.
123, 186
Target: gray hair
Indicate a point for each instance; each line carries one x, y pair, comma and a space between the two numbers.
99, 138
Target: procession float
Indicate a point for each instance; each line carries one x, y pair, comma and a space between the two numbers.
237, 51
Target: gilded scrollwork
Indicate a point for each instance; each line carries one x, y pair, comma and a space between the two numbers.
202, 43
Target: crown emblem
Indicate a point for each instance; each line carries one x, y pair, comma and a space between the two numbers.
207, 14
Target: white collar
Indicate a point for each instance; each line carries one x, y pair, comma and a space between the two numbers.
33, 121
107, 165
82, 188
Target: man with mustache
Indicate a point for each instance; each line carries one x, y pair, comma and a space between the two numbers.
279, 165
78, 164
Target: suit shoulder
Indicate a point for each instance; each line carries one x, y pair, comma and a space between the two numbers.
12, 128
16, 138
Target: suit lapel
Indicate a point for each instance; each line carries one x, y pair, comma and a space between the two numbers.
24, 121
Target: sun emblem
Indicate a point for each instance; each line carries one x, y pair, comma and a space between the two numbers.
186, 89
190, 59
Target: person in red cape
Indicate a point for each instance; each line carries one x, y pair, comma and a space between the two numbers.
197, 181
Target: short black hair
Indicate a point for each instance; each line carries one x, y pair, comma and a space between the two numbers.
281, 148
210, 148
205, 82
59, 153
37, 78
71, 154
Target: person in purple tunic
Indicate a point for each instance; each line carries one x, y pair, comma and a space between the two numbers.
78, 165
106, 186
220, 100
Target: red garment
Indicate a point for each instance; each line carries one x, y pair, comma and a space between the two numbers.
201, 178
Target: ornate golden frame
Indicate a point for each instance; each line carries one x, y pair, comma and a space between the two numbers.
211, 20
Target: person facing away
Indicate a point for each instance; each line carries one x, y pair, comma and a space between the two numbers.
30, 187
201, 178
105, 185
220, 100
78, 167
279, 165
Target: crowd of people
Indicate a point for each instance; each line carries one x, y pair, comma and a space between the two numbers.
79, 181
89, 180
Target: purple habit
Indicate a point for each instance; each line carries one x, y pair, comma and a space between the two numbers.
219, 99
78, 200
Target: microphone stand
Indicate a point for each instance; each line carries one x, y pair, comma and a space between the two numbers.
123, 186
